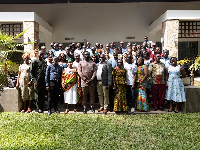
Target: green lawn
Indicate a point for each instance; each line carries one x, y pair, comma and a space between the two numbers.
79, 131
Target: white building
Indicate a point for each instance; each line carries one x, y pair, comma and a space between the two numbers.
176, 23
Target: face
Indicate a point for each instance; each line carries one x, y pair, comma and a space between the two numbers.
50, 59
129, 51
55, 61
145, 53
41, 55
94, 58
87, 56
70, 63
115, 54
158, 51
174, 61
101, 46
165, 53
129, 59
138, 52
26, 59
102, 58
77, 57
139, 61
157, 57
119, 63
134, 48
62, 55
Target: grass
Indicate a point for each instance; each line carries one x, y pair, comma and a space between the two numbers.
79, 131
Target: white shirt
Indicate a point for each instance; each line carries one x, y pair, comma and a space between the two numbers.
99, 71
131, 69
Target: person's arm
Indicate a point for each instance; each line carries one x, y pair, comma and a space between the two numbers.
17, 84
114, 83
94, 73
80, 72
182, 72
33, 73
47, 77
166, 77
109, 67
146, 74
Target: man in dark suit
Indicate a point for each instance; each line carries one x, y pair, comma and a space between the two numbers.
104, 81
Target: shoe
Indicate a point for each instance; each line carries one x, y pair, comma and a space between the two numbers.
169, 110
105, 111
92, 109
29, 110
57, 111
23, 111
162, 109
49, 112
132, 109
100, 109
154, 109
75, 110
84, 110
40, 111
176, 111
66, 111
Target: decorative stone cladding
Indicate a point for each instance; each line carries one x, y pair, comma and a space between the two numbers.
170, 29
31, 35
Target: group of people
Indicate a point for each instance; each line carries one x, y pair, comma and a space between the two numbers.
122, 76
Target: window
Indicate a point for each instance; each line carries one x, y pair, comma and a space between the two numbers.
12, 29
189, 29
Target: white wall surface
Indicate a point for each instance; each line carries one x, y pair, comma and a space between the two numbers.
101, 23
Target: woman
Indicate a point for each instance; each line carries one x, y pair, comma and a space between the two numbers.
141, 83
175, 84
62, 60
69, 84
119, 80
24, 83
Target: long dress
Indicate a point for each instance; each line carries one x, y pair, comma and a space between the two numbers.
70, 93
120, 103
175, 85
141, 95
26, 93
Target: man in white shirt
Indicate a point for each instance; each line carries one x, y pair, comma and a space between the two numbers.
104, 81
130, 79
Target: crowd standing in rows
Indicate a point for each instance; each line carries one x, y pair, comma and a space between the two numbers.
122, 76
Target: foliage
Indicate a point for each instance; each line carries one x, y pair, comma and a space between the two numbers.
195, 66
79, 131
181, 62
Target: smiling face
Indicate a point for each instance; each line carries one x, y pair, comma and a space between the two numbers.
87, 56
173, 61
119, 63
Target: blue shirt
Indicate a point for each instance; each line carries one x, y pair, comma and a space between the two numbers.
113, 62
53, 73
166, 62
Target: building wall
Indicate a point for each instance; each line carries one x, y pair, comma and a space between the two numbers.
101, 23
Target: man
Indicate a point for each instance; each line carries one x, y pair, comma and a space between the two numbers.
130, 79
38, 68
68, 55
53, 83
104, 81
43, 49
113, 61
165, 59
61, 50
157, 73
87, 71
122, 46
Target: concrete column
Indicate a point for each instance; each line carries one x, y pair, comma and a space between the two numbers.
170, 30
31, 35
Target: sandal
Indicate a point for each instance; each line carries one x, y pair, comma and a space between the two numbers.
176, 111
23, 111
66, 111
75, 110
29, 110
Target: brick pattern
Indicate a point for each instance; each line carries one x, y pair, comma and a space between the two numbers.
170, 29
31, 34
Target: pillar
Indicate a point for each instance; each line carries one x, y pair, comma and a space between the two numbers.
31, 35
170, 29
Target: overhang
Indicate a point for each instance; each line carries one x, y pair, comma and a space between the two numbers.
193, 15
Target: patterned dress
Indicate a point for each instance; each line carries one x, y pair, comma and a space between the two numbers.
142, 104
26, 93
120, 103
70, 93
175, 85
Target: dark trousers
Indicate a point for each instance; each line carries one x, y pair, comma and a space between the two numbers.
53, 94
40, 95
158, 95
130, 96
111, 98
91, 90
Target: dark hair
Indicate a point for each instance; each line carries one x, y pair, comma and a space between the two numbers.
61, 58
172, 58
147, 53
142, 60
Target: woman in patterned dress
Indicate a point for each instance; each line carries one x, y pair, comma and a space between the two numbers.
175, 84
141, 83
69, 84
119, 80
24, 83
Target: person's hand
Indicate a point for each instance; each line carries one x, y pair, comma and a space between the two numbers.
47, 88
29, 83
17, 86
36, 84
114, 87
109, 85
63, 85
87, 81
133, 86
166, 86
